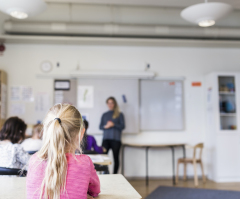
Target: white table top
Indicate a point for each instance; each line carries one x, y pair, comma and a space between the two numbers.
112, 187
105, 158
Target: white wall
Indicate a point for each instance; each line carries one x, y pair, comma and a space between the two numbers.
22, 63
3, 17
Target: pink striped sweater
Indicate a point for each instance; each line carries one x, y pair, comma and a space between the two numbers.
81, 178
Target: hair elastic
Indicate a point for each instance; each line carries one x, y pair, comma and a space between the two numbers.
59, 120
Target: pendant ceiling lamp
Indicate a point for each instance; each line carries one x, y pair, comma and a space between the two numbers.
206, 14
22, 9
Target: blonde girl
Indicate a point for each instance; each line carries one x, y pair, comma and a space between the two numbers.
55, 172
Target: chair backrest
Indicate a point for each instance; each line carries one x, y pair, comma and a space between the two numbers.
10, 171
31, 152
198, 146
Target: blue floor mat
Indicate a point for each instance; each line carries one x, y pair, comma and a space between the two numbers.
163, 192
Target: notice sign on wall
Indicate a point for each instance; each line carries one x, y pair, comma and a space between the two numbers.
24, 93
27, 94
197, 84
15, 93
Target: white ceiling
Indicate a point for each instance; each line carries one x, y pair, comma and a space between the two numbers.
161, 3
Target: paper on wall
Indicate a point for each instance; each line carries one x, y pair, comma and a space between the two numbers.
85, 96
42, 103
17, 109
58, 98
15, 93
27, 93
24, 93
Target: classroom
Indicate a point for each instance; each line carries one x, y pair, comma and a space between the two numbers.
120, 99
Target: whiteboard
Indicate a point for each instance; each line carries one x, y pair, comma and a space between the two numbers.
161, 105
101, 89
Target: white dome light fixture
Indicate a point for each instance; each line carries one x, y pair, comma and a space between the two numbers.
22, 9
206, 14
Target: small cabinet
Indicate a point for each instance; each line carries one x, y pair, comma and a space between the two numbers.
222, 126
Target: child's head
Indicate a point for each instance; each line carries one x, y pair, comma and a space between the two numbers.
37, 131
13, 129
85, 125
62, 132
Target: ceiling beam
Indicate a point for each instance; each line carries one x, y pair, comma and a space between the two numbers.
95, 41
162, 3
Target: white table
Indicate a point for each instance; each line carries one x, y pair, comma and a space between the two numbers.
106, 160
147, 146
112, 187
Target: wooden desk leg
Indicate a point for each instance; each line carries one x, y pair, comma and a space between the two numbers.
147, 166
173, 165
123, 147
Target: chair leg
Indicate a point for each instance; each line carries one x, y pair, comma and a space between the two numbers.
195, 173
185, 172
176, 180
203, 176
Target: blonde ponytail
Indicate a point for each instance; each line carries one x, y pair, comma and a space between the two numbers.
61, 127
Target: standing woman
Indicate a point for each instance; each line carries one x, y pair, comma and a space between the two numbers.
112, 124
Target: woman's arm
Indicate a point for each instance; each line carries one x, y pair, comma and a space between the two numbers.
121, 124
94, 184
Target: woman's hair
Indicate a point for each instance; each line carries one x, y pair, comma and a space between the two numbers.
13, 129
61, 128
37, 130
116, 111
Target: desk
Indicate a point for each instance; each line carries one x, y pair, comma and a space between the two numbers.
112, 187
147, 146
106, 162
101, 166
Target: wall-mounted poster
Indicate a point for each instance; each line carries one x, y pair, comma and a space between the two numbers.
15, 93
58, 97
85, 96
42, 102
27, 94
24, 93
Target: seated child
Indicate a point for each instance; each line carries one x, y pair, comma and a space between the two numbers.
12, 154
91, 144
55, 171
34, 143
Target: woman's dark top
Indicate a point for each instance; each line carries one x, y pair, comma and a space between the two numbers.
115, 132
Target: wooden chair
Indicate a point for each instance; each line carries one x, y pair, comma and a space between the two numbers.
193, 161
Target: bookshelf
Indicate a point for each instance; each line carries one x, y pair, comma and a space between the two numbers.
3, 97
227, 102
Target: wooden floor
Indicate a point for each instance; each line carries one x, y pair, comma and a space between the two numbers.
144, 191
